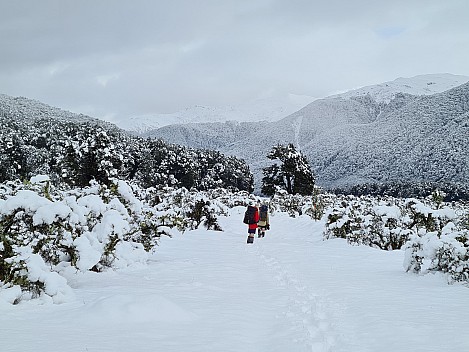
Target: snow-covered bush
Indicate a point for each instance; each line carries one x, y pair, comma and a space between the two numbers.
289, 203
447, 252
434, 235
342, 220
429, 216
230, 199
296, 204
89, 228
190, 209
440, 241
367, 221
319, 202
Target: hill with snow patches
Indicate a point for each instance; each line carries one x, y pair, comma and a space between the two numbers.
374, 134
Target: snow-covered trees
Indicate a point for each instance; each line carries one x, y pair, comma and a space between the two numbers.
159, 163
453, 191
292, 174
77, 149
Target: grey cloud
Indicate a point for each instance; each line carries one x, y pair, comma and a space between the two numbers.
121, 58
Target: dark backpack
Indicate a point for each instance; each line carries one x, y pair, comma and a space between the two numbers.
249, 215
263, 213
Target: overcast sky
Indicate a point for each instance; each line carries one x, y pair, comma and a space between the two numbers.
114, 58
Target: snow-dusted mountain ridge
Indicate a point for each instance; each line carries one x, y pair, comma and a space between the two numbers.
418, 85
274, 108
357, 138
270, 109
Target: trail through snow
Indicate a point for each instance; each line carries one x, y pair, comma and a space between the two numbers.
210, 291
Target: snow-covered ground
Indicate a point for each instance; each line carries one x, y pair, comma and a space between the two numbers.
210, 291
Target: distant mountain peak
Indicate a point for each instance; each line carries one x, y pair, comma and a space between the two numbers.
265, 109
418, 85
274, 108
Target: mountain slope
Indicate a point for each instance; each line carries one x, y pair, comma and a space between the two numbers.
354, 139
32, 112
422, 139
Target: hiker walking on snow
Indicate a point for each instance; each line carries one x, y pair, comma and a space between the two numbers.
251, 218
263, 223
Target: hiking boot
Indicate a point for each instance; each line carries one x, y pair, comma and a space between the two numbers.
250, 239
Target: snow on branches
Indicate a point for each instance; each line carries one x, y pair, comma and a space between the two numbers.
434, 235
44, 231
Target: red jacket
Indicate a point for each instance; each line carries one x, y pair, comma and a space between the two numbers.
256, 219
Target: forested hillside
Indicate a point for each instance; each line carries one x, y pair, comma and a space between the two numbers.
74, 149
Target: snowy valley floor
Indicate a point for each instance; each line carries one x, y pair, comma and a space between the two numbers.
210, 291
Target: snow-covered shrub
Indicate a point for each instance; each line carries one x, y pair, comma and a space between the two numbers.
343, 219
367, 221
292, 204
190, 209
89, 228
386, 229
295, 205
289, 203
316, 208
421, 215
440, 241
447, 252
228, 198
464, 221
202, 212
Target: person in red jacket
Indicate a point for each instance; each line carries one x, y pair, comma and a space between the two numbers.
253, 212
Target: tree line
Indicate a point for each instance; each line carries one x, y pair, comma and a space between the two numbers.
74, 153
